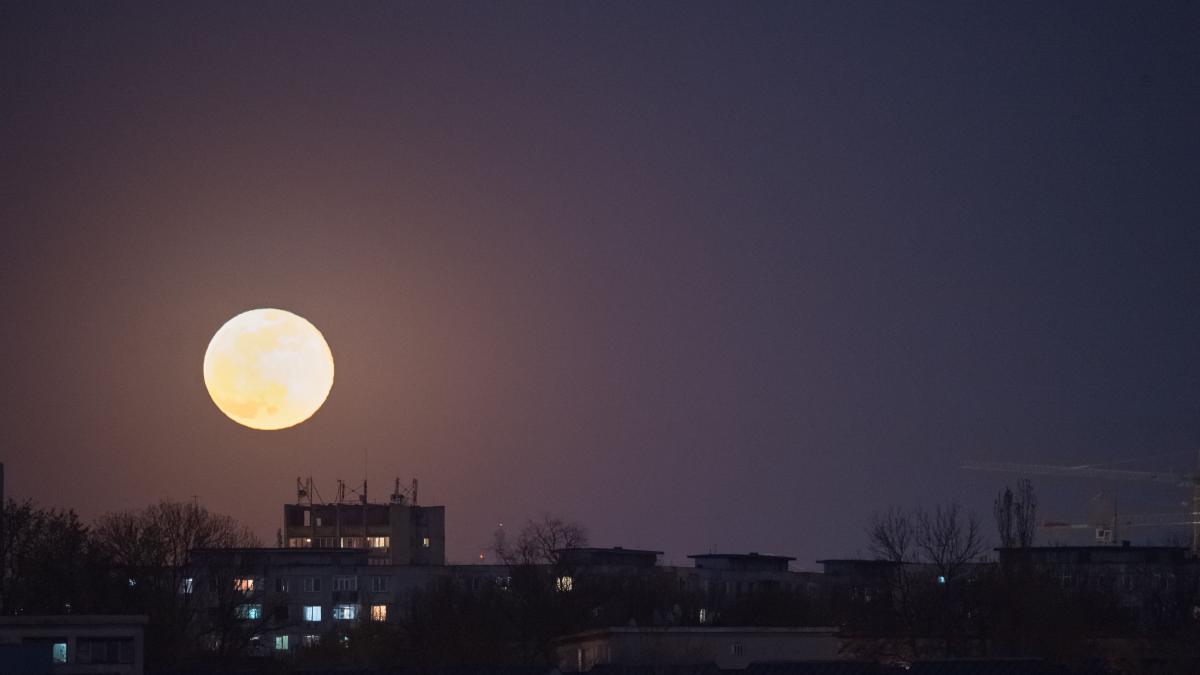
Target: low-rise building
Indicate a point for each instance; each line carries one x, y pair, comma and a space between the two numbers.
79, 644
730, 648
289, 598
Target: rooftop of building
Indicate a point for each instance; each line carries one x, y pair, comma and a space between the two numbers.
753, 555
611, 549
1094, 547
854, 561
699, 630
75, 620
307, 550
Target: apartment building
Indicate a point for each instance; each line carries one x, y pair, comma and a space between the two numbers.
293, 597
397, 533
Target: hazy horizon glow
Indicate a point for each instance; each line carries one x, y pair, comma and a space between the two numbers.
697, 275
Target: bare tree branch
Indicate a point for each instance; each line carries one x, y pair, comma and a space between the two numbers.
948, 539
891, 534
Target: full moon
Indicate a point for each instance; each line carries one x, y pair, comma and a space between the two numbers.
268, 369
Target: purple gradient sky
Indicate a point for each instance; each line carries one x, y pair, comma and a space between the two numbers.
698, 275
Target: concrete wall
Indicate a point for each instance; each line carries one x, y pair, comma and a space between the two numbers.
728, 648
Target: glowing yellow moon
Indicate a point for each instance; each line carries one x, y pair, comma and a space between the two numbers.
268, 369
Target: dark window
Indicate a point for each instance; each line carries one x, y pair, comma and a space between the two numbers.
104, 650
280, 613
57, 646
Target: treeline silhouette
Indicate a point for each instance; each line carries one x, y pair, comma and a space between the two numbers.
914, 607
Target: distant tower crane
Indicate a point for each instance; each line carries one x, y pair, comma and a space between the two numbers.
1107, 533
1190, 480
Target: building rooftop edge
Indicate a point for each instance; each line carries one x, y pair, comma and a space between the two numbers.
285, 549
607, 549
865, 561
716, 630
58, 619
756, 556
1091, 548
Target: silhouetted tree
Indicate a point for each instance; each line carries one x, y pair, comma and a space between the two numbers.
948, 539
539, 605
146, 551
1016, 515
929, 551
539, 541
1025, 513
1002, 511
891, 536
47, 565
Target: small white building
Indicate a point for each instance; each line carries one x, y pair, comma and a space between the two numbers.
730, 648
81, 643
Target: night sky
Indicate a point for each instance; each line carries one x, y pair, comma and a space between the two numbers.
700, 276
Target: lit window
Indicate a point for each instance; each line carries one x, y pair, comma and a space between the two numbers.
345, 612
248, 612
312, 640
132, 582
703, 615
425, 542
345, 583
378, 542
351, 542
312, 612
58, 652
344, 640
281, 643
300, 542
244, 585
379, 612
312, 584
186, 585
564, 584
379, 584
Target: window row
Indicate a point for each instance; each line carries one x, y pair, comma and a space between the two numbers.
377, 543
284, 642
247, 585
314, 613
346, 612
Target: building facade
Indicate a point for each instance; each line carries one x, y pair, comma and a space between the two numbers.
398, 533
80, 644
294, 597
732, 648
